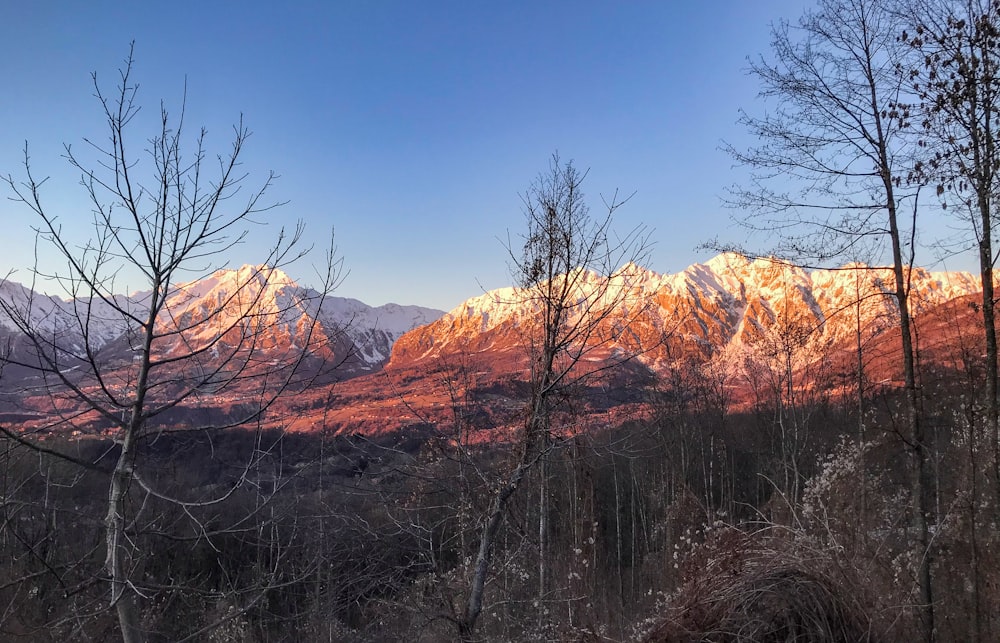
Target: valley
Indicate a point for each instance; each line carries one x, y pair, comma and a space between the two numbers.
387, 369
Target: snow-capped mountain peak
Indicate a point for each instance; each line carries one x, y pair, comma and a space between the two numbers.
705, 308
203, 310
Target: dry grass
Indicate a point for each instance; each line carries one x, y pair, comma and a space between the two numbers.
741, 588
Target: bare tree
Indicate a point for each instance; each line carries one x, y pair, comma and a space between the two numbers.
956, 78
168, 214
574, 273
955, 75
836, 144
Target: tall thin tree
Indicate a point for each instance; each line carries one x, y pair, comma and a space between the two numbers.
827, 176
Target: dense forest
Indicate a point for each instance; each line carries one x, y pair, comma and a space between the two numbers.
678, 525
785, 494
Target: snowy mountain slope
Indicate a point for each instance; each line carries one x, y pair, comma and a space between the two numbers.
55, 317
703, 310
200, 311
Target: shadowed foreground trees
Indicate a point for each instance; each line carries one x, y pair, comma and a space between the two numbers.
372, 538
164, 214
953, 71
879, 98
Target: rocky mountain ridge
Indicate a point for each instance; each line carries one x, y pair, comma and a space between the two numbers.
407, 366
704, 310
729, 319
270, 293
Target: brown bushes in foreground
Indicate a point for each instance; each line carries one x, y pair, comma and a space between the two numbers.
756, 587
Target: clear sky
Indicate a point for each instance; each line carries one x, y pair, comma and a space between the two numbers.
409, 127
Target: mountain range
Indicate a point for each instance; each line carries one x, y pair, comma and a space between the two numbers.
707, 308
370, 331
407, 366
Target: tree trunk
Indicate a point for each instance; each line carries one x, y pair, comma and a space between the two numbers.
474, 604
122, 596
990, 331
920, 483
543, 510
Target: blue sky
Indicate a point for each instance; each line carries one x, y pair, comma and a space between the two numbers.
409, 127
